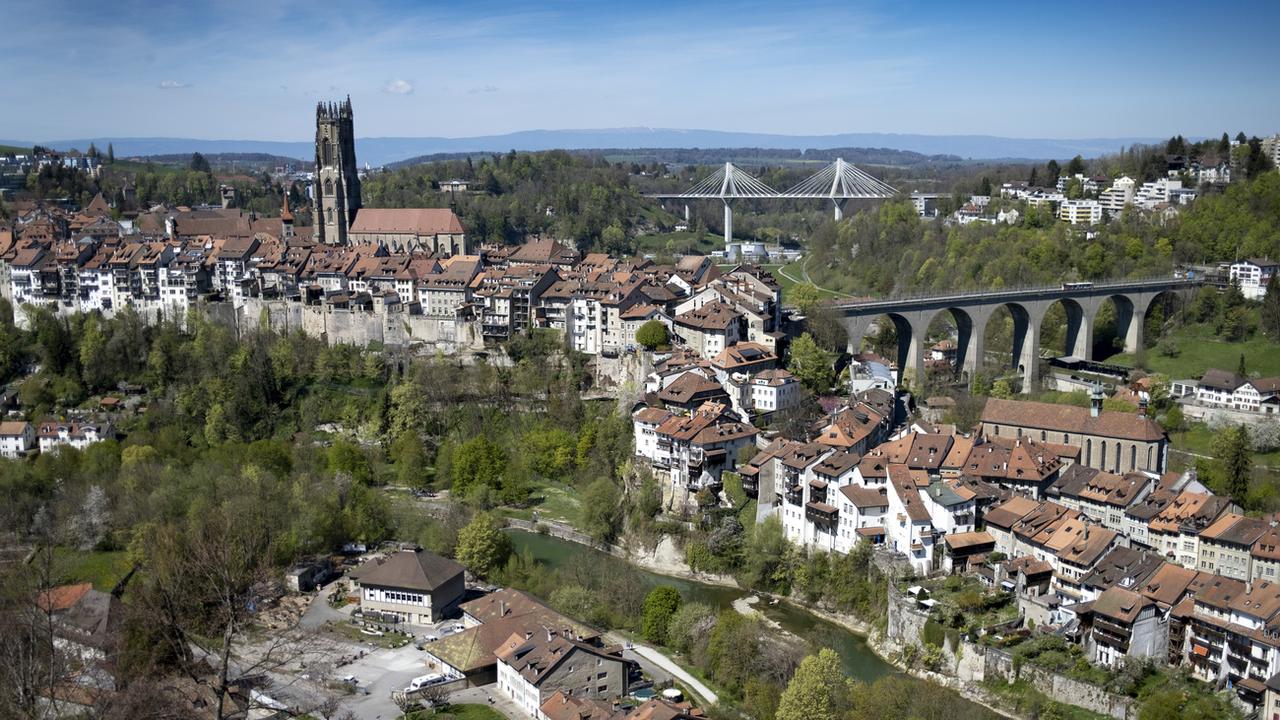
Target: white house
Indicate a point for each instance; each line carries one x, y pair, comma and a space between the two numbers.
1252, 275
17, 438
1080, 212
53, 434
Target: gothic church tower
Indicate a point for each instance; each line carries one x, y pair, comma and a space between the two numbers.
337, 186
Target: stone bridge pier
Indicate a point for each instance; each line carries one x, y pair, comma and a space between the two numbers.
911, 319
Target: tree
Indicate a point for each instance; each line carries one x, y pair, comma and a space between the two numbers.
818, 691
1235, 454
478, 461
1271, 308
410, 457
1241, 369
601, 514
1075, 166
805, 296
482, 546
1052, 172
653, 335
111, 154
660, 605
813, 366
199, 164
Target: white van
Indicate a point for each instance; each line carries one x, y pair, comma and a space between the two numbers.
422, 681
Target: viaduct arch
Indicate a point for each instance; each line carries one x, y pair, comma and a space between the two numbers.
972, 312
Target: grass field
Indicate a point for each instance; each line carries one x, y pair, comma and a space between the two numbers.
458, 712
679, 242
103, 569
551, 503
1199, 350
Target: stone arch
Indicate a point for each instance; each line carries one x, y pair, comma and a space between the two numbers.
966, 357
1067, 329
1116, 329
1024, 355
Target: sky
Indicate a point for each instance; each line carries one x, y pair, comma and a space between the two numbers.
253, 69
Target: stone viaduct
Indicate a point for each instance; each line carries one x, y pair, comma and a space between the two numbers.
971, 312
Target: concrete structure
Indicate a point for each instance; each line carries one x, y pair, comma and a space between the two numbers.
971, 312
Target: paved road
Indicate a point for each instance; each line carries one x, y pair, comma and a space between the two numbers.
679, 673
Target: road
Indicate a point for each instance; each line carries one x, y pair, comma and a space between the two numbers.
644, 653
804, 269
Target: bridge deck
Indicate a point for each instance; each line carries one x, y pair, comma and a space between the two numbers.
1043, 292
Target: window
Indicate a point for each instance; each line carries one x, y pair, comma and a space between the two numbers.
1044, 436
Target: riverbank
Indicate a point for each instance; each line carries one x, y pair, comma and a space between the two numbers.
670, 564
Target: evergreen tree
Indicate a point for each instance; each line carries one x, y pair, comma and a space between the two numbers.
111, 153
1236, 456
93, 151
199, 164
1053, 171
1033, 179
1240, 368
1075, 167
1271, 309
1224, 147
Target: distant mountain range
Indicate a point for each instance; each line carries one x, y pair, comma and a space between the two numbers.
381, 151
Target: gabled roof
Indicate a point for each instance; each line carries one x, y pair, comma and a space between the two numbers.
865, 497
404, 221
1071, 419
1120, 605
409, 569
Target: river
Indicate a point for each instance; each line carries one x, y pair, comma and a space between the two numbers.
860, 661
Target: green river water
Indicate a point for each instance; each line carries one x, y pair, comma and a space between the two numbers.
860, 661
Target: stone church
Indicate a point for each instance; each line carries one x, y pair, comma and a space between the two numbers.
340, 220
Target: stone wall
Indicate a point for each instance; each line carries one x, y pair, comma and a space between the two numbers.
999, 664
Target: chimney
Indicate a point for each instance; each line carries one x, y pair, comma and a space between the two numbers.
502, 608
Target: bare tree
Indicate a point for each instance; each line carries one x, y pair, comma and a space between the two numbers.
205, 588
31, 668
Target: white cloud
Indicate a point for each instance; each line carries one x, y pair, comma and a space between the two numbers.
398, 87
485, 89
173, 85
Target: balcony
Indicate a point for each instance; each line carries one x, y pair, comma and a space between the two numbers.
793, 495
821, 513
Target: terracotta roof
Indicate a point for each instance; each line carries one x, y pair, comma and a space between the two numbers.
744, 353
837, 464
1235, 530
688, 387
908, 494
1120, 605
712, 316
964, 541
416, 221
1071, 419
1267, 547
62, 597
865, 497
1168, 584
12, 428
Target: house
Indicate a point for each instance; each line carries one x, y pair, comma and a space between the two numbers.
1104, 497
1022, 465
711, 328
774, 390
1080, 212
689, 452
1233, 634
533, 666
1226, 546
964, 550
17, 438
1175, 531
53, 434
1109, 440
1123, 624
1252, 276
416, 587
490, 620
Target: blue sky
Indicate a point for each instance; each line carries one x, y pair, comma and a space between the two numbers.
252, 69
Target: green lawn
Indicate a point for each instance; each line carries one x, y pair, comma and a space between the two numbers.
458, 712
551, 502
1199, 350
679, 242
103, 569
1199, 439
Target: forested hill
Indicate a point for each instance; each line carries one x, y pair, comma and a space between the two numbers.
744, 155
890, 249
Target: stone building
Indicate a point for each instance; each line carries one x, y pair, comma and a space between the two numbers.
1117, 442
337, 190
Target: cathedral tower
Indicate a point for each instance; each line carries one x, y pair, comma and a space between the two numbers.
337, 188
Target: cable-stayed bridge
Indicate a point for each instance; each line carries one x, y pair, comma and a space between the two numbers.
837, 182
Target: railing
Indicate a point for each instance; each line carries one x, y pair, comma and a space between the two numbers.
1023, 290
